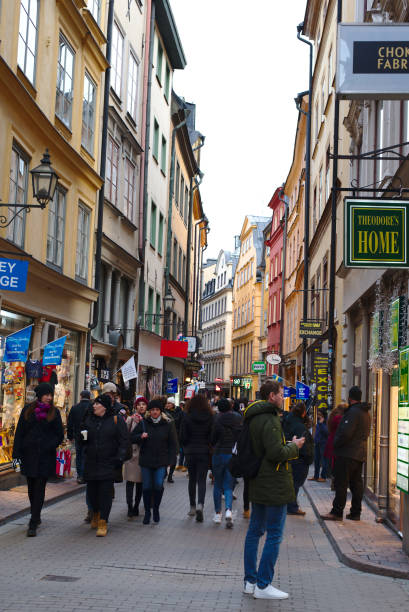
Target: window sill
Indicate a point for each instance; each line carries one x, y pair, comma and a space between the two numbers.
26, 82
83, 281
129, 223
62, 128
115, 97
155, 159
159, 81
166, 99
88, 156
163, 173
53, 266
131, 120
152, 247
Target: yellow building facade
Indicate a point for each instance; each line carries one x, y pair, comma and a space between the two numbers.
247, 307
51, 68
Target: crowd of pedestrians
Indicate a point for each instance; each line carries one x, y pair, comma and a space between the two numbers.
141, 445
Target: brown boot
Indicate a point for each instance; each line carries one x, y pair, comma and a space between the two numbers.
102, 528
94, 520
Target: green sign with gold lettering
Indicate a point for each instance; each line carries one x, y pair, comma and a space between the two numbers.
376, 233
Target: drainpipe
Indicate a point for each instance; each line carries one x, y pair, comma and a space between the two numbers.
199, 316
171, 190
306, 200
189, 239
283, 198
195, 265
146, 154
101, 195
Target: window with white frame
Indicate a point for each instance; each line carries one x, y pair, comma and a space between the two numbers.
65, 82
27, 38
56, 227
330, 74
88, 114
83, 227
95, 9
129, 190
18, 184
112, 163
320, 207
131, 103
116, 59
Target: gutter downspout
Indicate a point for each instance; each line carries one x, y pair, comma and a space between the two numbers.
283, 198
146, 157
306, 200
101, 195
199, 325
195, 264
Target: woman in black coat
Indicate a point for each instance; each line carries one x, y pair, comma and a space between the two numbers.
106, 440
157, 440
195, 435
39, 432
296, 424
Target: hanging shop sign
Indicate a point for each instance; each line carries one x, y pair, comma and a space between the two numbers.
172, 385
13, 274
372, 61
259, 367
398, 320
53, 352
402, 477
273, 359
310, 328
173, 348
236, 382
376, 233
128, 370
320, 377
302, 391
17, 345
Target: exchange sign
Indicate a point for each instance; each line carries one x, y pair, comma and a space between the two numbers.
376, 233
310, 328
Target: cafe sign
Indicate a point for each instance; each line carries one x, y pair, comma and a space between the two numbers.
372, 61
376, 233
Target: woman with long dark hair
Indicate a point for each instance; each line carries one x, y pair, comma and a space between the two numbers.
195, 437
39, 432
132, 469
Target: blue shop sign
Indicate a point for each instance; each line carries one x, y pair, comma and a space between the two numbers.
172, 385
13, 274
303, 391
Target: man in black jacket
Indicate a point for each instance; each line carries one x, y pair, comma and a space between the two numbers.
75, 418
350, 446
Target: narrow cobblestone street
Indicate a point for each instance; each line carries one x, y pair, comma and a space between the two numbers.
177, 565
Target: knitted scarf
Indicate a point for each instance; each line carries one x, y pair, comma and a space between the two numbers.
41, 411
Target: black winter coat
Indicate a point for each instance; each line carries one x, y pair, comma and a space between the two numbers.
196, 431
106, 445
35, 443
352, 433
226, 430
160, 447
295, 426
75, 418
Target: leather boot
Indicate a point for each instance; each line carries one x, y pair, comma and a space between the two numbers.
147, 495
102, 528
157, 498
94, 520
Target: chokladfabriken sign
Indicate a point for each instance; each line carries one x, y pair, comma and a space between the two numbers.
376, 233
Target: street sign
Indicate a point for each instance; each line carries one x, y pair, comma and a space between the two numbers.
376, 233
258, 366
372, 61
273, 359
310, 328
13, 274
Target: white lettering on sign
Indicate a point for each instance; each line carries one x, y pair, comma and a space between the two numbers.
7, 267
9, 281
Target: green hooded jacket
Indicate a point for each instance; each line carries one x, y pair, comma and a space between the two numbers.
273, 485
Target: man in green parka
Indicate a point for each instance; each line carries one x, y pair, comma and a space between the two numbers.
270, 491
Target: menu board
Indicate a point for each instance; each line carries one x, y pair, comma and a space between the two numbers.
402, 480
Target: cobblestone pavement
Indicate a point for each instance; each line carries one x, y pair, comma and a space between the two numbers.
176, 565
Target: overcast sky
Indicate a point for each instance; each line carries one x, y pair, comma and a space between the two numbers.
244, 68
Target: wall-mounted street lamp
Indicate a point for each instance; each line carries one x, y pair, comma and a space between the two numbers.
45, 180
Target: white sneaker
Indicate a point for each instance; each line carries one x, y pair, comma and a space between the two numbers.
217, 518
229, 519
269, 592
249, 587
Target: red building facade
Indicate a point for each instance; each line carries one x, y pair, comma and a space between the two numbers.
275, 244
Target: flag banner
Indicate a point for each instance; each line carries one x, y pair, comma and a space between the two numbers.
17, 345
173, 348
302, 391
289, 392
129, 370
277, 378
53, 352
172, 386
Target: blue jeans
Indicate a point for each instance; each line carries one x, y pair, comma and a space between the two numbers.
223, 482
320, 461
152, 478
270, 519
79, 459
300, 473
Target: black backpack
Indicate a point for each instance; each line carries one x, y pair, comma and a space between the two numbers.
244, 463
